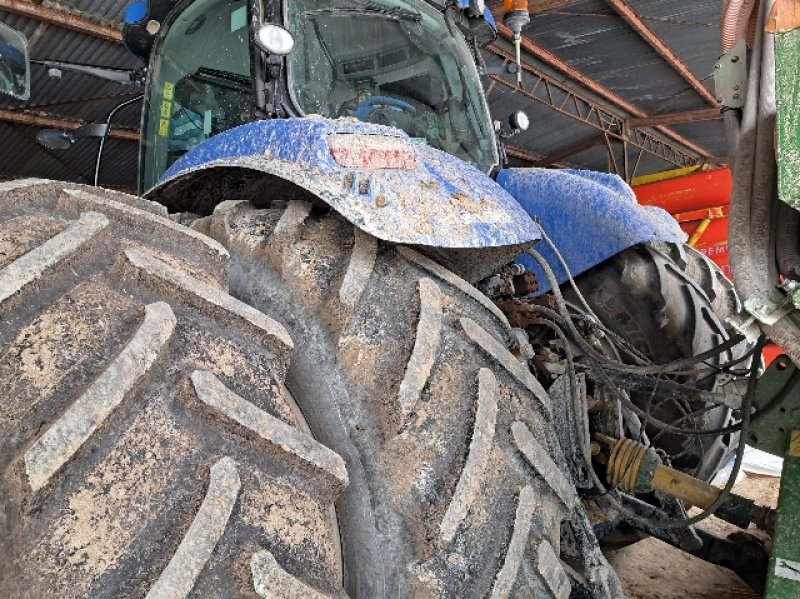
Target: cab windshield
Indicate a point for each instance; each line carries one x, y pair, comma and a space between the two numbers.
390, 62
199, 83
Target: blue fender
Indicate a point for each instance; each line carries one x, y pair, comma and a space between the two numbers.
435, 199
589, 217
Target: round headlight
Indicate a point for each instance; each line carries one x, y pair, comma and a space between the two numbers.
275, 40
519, 120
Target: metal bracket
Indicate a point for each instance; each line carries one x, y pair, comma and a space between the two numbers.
730, 76
747, 325
770, 305
779, 389
732, 392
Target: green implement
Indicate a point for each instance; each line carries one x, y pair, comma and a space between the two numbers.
777, 431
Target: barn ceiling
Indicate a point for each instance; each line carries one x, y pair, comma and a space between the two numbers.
612, 85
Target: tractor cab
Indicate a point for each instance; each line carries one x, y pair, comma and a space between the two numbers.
401, 63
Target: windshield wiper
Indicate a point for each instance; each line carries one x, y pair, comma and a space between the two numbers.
224, 79
395, 14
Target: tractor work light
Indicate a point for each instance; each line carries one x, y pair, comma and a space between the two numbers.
519, 120
354, 150
274, 40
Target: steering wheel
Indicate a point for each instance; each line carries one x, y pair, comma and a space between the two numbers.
368, 106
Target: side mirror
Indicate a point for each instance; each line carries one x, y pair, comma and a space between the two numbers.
56, 139
15, 66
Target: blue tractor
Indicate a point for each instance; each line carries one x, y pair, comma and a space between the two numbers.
443, 343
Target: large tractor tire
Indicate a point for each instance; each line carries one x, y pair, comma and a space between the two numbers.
148, 445
671, 302
457, 484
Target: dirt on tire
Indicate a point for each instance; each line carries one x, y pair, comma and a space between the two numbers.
148, 445
458, 486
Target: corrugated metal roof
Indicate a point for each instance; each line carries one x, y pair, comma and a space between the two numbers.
587, 35
103, 11
592, 38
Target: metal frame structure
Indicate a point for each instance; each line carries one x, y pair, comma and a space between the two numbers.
551, 92
618, 120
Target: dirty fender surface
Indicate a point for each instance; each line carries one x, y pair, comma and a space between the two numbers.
438, 201
589, 216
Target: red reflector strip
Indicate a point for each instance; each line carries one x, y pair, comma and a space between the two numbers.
354, 150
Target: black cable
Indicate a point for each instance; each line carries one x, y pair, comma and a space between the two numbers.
110, 116
756, 417
664, 387
727, 366
674, 366
595, 358
653, 369
726, 490
594, 320
746, 411
599, 369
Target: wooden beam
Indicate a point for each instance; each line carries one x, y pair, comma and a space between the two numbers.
34, 119
676, 118
634, 22
63, 19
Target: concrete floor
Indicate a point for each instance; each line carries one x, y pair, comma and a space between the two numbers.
651, 569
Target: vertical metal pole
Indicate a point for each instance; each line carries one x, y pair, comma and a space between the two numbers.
625, 162
612, 160
517, 54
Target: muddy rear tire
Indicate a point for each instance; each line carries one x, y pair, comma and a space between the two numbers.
670, 302
147, 443
457, 481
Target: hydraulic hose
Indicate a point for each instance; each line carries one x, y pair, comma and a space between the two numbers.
565, 318
786, 243
752, 248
